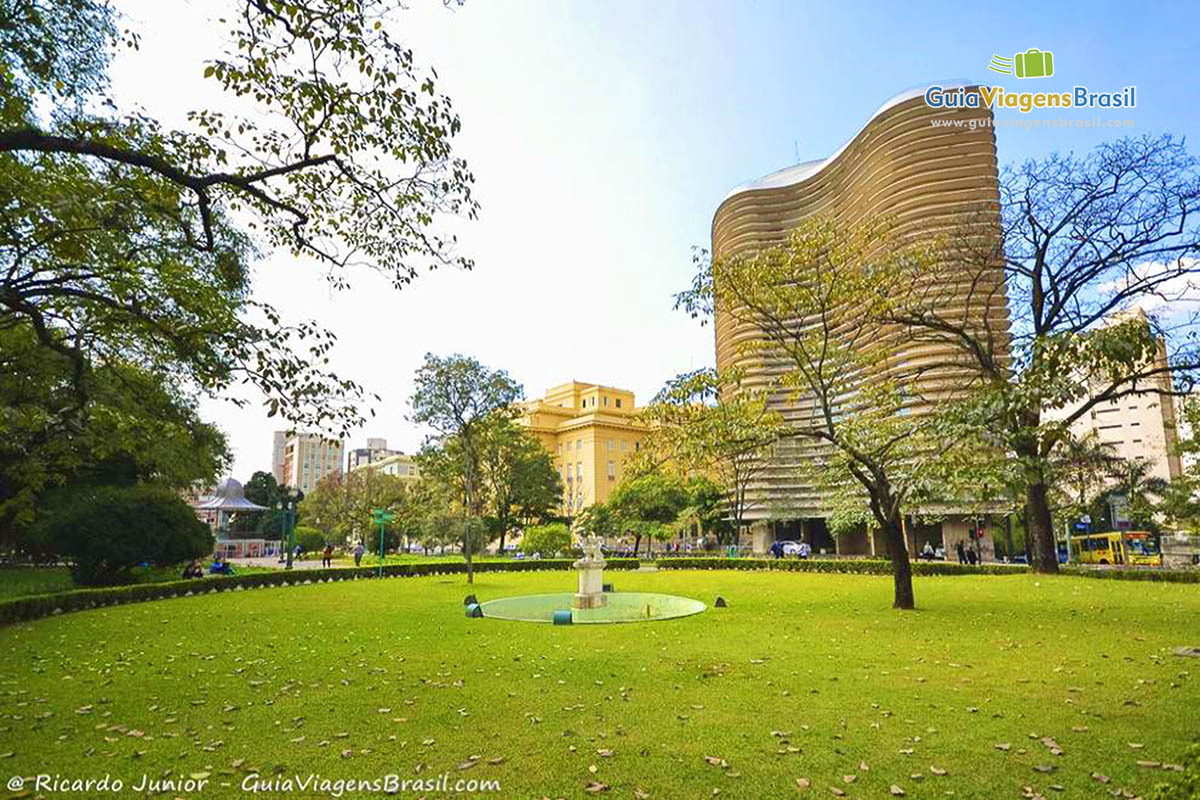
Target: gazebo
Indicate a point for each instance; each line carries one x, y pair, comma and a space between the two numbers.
230, 499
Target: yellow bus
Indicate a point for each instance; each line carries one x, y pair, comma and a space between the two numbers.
1139, 548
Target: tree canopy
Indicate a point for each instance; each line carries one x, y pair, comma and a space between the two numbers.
124, 239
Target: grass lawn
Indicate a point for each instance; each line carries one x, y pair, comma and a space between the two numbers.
803, 676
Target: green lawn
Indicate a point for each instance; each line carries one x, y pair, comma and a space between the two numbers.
803, 676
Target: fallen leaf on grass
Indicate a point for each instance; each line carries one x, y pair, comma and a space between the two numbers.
803, 783
896, 790
937, 770
595, 787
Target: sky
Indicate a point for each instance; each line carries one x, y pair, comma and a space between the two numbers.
603, 136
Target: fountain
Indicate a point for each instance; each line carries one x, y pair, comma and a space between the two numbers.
591, 575
591, 604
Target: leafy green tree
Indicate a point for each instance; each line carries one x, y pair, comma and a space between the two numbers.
868, 450
103, 531
456, 396
647, 505
549, 540
137, 427
517, 475
263, 489
125, 240
705, 422
1131, 484
341, 506
1081, 241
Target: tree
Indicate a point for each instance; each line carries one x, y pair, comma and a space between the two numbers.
341, 506
1132, 486
549, 540
1083, 241
137, 427
104, 531
516, 474
122, 239
706, 422
648, 504
456, 396
263, 489
818, 300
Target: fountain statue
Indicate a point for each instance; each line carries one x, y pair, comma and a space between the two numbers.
591, 574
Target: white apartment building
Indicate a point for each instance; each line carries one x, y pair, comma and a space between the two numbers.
306, 459
1139, 426
398, 464
376, 450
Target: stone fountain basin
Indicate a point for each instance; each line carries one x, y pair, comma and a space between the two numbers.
621, 607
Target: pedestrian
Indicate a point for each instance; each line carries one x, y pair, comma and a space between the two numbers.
358, 553
805, 550
777, 549
972, 556
327, 555
961, 550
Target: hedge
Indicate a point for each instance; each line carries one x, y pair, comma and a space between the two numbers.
1136, 574
859, 566
884, 567
44, 605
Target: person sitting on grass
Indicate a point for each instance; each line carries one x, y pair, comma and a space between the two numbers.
193, 570
220, 567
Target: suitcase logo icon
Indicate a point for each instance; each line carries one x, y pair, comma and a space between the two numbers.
1033, 63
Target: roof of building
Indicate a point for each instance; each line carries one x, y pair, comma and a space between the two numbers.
230, 497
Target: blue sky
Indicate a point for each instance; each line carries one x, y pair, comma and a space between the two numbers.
604, 134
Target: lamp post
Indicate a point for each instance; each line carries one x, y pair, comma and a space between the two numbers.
288, 502
381, 517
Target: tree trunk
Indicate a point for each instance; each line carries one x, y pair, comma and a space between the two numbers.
1043, 554
1008, 537
467, 532
901, 566
637, 543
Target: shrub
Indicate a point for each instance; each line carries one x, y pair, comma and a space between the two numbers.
549, 540
310, 539
103, 531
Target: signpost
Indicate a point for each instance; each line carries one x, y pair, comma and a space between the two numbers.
381, 517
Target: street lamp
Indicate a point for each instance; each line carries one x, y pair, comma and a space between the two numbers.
287, 502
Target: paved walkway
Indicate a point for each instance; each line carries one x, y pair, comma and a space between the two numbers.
273, 562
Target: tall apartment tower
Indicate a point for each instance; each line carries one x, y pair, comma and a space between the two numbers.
929, 178
1138, 427
306, 459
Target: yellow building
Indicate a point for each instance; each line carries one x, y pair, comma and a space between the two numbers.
589, 431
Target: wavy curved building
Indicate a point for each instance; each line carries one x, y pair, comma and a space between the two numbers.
933, 173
